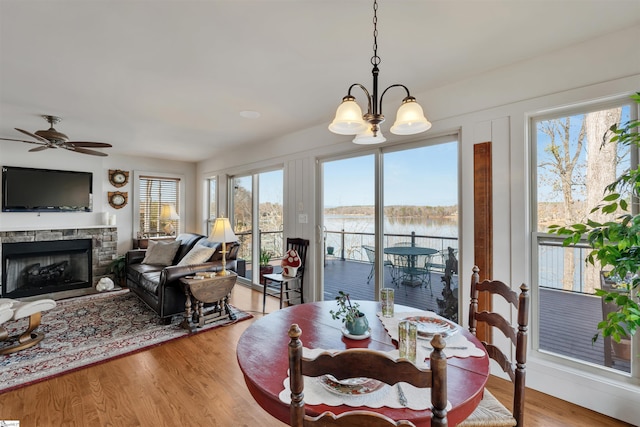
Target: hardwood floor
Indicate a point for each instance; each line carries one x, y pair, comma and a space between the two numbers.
196, 381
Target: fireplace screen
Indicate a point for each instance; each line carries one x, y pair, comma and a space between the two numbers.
33, 268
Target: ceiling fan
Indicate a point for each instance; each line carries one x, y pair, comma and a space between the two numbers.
51, 138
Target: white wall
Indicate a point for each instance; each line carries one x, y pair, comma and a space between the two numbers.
16, 154
491, 107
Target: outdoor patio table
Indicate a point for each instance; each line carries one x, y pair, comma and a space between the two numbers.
409, 267
263, 358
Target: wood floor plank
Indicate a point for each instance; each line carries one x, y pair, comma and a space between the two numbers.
196, 381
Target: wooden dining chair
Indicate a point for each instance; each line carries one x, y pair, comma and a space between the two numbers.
281, 286
357, 363
490, 412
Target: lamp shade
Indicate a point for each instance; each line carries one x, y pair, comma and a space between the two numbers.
367, 138
348, 120
168, 212
410, 119
221, 231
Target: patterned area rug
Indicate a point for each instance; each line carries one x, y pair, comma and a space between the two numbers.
87, 330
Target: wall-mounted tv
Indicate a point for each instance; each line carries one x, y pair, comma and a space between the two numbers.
46, 190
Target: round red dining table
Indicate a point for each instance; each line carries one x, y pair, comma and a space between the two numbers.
263, 358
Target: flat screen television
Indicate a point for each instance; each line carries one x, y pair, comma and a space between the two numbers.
46, 190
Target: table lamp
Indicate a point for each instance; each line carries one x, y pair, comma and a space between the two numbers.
222, 232
169, 214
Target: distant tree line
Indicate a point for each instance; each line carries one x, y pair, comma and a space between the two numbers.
401, 211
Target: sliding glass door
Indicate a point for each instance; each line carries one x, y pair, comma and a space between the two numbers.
420, 225
348, 226
257, 218
390, 219
242, 218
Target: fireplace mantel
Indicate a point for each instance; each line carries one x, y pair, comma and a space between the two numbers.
40, 228
104, 242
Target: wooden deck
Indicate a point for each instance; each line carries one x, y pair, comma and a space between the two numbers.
560, 333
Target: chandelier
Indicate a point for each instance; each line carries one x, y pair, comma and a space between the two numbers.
349, 119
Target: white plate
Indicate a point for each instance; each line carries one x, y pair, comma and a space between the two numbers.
346, 333
351, 386
428, 326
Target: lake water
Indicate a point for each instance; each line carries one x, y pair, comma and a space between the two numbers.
363, 227
441, 227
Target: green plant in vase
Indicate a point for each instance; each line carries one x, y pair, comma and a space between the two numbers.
265, 267
265, 258
117, 268
354, 320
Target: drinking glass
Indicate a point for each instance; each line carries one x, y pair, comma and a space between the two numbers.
386, 300
407, 339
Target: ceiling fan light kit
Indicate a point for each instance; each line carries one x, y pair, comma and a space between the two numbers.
51, 138
349, 119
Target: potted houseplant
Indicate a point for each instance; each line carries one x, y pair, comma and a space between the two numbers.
265, 267
354, 320
117, 268
616, 244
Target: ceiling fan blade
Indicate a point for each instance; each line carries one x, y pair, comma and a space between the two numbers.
42, 147
86, 151
33, 135
23, 140
90, 144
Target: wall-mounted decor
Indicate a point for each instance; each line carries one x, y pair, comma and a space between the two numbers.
118, 178
118, 199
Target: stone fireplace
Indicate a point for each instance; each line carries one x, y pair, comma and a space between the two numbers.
37, 262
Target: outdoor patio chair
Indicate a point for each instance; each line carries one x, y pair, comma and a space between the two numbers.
361, 362
371, 256
491, 412
281, 286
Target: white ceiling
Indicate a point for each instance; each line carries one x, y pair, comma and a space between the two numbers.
168, 79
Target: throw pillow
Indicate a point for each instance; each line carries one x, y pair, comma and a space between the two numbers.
197, 255
160, 253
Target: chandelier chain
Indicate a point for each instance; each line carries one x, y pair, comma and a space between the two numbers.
375, 59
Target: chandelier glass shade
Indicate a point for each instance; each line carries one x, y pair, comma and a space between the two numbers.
349, 119
367, 138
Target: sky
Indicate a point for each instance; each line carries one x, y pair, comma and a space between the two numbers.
425, 176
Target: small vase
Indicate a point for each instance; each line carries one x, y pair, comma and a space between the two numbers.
359, 326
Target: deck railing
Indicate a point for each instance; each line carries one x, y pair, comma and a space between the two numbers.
347, 245
552, 260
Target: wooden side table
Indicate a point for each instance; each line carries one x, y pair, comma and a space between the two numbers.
213, 290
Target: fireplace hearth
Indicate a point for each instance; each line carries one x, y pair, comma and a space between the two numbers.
34, 268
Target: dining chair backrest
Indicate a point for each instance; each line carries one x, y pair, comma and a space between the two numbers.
517, 336
300, 246
365, 363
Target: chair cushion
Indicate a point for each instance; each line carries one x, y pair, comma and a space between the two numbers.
5, 313
197, 255
27, 308
490, 413
160, 253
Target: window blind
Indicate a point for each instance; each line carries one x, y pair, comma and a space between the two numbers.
154, 193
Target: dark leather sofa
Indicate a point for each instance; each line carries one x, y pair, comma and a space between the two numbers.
159, 286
